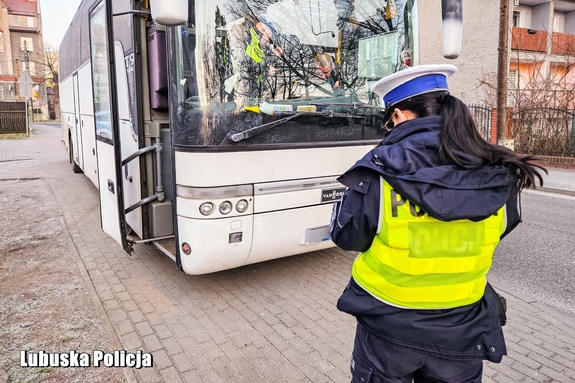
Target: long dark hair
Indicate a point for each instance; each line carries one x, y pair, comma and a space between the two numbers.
461, 144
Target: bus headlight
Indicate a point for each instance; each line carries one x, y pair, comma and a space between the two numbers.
206, 208
226, 207
242, 206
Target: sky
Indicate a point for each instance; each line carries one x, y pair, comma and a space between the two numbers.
56, 18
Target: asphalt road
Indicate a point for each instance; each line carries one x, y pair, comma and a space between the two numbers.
538, 257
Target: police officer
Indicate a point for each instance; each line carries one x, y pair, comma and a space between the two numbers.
426, 209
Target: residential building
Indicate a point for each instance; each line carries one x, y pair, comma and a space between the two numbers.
478, 59
542, 56
21, 48
541, 49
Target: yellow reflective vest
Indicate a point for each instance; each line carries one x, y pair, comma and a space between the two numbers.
419, 262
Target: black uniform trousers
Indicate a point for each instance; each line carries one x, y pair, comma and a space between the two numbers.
374, 361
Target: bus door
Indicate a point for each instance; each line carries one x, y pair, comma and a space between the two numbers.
77, 144
107, 119
128, 142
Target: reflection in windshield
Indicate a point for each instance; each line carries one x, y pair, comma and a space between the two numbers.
246, 63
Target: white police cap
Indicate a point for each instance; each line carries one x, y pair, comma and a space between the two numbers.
413, 81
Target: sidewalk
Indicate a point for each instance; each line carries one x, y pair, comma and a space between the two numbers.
560, 180
270, 322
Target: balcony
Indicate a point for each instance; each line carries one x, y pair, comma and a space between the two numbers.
563, 44
18, 28
528, 40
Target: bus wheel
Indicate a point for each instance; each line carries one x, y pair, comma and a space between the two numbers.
75, 167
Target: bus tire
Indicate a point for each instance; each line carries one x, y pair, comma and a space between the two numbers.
75, 167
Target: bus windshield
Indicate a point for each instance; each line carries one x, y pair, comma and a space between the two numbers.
275, 73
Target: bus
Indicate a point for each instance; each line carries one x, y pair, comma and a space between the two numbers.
215, 130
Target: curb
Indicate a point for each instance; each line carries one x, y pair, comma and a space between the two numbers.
552, 190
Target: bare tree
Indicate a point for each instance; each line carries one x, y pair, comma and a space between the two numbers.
52, 81
544, 81
540, 93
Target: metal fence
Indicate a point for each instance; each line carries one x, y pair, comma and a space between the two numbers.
12, 117
544, 131
482, 116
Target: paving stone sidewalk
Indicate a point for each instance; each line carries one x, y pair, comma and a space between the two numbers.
270, 322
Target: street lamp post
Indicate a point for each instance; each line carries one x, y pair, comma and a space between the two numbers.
502, 70
25, 54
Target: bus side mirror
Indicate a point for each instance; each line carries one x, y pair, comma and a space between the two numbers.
452, 15
169, 12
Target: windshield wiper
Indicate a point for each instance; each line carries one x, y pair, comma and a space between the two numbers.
251, 132
353, 105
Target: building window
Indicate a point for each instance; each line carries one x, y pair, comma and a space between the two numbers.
31, 67
512, 86
558, 22
1, 92
557, 76
31, 22
553, 77
26, 44
1, 41
516, 18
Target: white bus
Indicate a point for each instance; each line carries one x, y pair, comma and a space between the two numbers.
216, 129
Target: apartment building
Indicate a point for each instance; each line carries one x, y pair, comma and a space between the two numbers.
542, 56
478, 59
21, 48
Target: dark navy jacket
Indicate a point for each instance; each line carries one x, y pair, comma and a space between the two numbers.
408, 159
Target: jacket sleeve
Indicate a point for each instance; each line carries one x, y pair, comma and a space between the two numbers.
512, 214
355, 218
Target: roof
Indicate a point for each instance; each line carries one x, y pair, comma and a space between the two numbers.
22, 7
